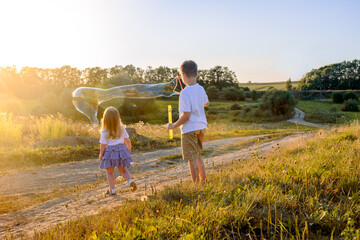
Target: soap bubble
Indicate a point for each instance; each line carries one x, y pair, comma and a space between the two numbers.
87, 99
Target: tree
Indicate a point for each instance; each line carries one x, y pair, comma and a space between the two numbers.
338, 76
95, 76
67, 76
220, 77
9, 79
288, 85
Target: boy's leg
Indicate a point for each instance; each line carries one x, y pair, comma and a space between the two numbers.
110, 177
189, 149
194, 171
191, 146
200, 161
201, 166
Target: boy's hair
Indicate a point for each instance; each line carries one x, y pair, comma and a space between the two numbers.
111, 121
190, 68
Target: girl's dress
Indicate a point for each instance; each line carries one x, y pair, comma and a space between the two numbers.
116, 153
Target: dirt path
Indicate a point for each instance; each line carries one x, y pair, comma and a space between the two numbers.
299, 118
150, 174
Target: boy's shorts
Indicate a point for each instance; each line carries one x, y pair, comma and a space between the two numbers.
191, 144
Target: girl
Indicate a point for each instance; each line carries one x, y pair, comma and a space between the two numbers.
115, 149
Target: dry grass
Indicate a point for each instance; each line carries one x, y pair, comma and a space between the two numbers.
309, 190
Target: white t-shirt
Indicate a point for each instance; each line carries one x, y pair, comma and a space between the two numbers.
110, 141
192, 99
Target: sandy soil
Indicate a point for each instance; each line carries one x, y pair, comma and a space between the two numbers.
149, 171
299, 119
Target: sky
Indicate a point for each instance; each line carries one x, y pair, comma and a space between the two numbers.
260, 40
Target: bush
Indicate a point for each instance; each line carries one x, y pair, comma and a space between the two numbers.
278, 102
333, 109
134, 110
233, 94
254, 96
235, 107
12, 106
230, 94
321, 116
351, 95
247, 109
241, 95
350, 105
213, 93
338, 97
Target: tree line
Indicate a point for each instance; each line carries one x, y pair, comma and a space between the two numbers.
338, 76
71, 77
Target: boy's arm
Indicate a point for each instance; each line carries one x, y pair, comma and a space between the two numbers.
128, 143
206, 104
102, 150
183, 119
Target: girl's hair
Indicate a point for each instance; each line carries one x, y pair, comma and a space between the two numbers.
111, 121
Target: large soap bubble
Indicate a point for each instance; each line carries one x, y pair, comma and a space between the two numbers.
87, 99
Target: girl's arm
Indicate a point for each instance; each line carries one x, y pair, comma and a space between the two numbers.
102, 150
128, 143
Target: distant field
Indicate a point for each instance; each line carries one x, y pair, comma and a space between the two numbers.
265, 86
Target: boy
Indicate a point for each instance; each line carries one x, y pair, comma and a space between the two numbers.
192, 120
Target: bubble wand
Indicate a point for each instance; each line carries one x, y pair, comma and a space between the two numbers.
178, 81
171, 136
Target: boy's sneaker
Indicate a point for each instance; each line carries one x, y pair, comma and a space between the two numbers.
132, 185
110, 192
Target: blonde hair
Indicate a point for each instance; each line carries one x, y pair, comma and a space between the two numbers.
111, 121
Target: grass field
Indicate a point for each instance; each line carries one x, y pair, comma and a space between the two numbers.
309, 190
266, 86
326, 112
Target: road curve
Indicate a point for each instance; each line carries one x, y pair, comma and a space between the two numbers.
299, 118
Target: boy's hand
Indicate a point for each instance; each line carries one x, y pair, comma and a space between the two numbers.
170, 126
100, 157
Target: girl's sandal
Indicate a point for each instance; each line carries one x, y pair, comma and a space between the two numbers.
133, 187
109, 192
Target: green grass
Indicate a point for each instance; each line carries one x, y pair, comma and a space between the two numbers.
265, 86
309, 190
320, 112
23, 158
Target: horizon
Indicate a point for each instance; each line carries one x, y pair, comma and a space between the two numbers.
260, 41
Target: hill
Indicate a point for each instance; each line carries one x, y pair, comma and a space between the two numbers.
265, 86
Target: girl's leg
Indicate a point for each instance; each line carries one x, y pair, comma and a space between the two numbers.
126, 174
110, 177
123, 171
194, 171
201, 166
